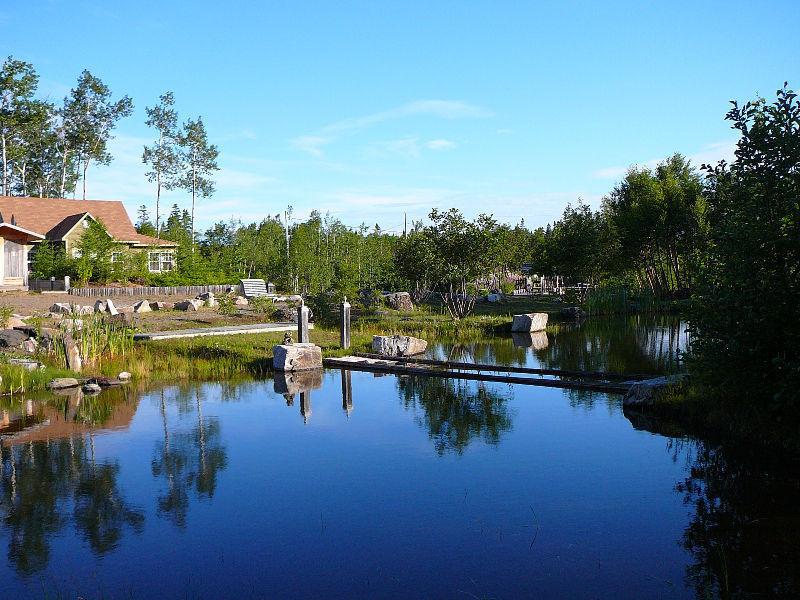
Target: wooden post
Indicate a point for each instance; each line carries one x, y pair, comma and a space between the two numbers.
345, 324
302, 323
66, 283
347, 390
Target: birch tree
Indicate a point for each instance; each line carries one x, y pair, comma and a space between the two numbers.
90, 116
18, 83
162, 157
197, 163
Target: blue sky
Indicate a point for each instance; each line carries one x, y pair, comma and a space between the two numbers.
369, 110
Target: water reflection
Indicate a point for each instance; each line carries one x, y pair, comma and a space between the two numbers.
455, 412
188, 460
744, 531
47, 485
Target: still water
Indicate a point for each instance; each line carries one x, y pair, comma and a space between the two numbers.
365, 486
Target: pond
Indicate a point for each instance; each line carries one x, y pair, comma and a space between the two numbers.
379, 486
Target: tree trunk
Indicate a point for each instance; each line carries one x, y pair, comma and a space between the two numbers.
194, 184
5, 167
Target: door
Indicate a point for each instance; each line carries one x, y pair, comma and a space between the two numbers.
14, 258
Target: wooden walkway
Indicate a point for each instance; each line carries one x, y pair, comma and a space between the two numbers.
476, 372
209, 331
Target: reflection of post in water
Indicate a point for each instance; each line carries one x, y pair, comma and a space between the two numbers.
290, 383
347, 391
305, 405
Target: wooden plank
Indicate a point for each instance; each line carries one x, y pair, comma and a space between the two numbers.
216, 331
403, 368
602, 376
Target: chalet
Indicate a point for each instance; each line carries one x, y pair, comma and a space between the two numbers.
26, 222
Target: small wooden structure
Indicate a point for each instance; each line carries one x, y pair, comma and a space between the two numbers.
252, 288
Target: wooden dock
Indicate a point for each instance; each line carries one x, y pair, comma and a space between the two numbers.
482, 372
210, 331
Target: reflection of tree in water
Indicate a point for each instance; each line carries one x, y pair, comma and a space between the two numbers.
637, 344
188, 460
744, 536
43, 483
457, 411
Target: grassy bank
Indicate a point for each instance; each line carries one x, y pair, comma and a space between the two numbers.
687, 411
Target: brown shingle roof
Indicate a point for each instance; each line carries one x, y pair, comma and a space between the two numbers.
43, 215
63, 228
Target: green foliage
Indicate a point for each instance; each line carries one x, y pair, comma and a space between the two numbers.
746, 308
96, 248
5, 314
262, 304
226, 305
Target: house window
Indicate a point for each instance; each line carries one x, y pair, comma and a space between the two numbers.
159, 261
117, 257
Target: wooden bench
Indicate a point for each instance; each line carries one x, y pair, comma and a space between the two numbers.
252, 288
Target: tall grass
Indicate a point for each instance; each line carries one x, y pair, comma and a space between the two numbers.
618, 300
98, 339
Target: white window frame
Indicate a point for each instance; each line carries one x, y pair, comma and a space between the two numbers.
163, 259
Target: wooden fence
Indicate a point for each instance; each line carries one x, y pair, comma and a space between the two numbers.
144, 291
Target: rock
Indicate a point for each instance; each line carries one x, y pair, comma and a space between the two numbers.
61, 308
125, 310
399, 301
285, 313
297, 357
494, 297
92, 388
13, 322
30, 345
27, 363
644, 394
127, 319
142, 306
12, 338
190, 305
105, 382
240, 301
398, 345
573, 313
62, 383
162, 305
55, 316
83, 310
100, 306
205, 296
73, 353
529, 322
211, 303
110, 308
124, 376
295, 298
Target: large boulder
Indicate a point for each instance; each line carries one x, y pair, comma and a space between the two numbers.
142, 306
296, 357
12, 338
189, 305
645, 394
14, 322
100, 306
162, 305
399, 301
61, 308
240, 301
529, 322
398, 345
110, 308
62, 383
